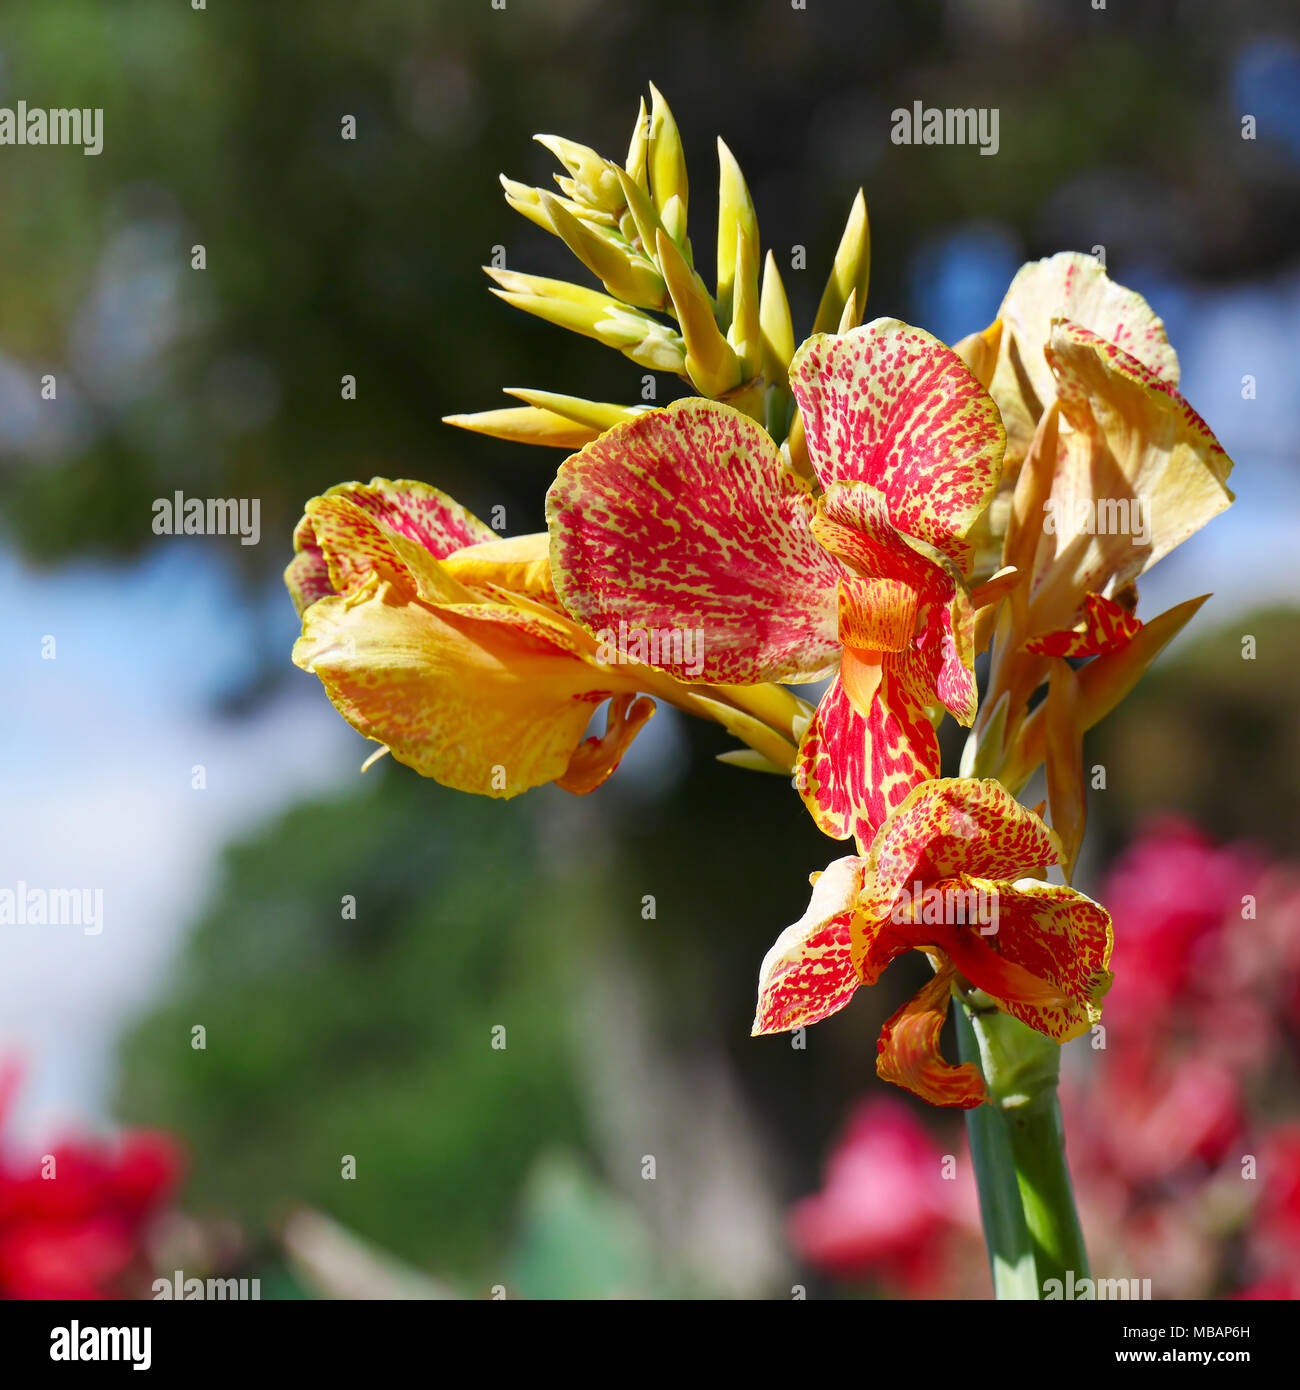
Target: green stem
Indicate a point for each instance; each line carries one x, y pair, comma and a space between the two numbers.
1018, 1148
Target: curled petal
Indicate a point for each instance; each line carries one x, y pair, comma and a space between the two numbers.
1137, 473
892, 407
907, 1053
686, 518
345, 533
807, 975
1066, 286
595, 758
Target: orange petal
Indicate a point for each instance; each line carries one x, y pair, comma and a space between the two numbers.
907, 1053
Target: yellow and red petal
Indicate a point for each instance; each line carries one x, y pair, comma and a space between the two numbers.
1060, 937
907, 1053
357, 518
1105, 626
807, 975
481, 697
686, 518
852, 770
949, 827
892, 407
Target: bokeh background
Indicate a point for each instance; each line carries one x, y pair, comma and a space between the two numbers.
525, 1167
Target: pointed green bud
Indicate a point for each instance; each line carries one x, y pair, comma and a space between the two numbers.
851, 271
638, 150
777, 326
673, 217
646, 341
849, 316
745, 335
528, 201
643, 214
627, 276
667, 160
526, 425
711, 363
594, 415
735, 212
540, 287
594, 177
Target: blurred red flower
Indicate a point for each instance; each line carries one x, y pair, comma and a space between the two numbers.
73, 1220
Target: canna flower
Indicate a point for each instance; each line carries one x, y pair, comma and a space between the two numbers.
953, 842
448, 645
690, 516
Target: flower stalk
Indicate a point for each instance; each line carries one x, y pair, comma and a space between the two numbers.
1018, 1148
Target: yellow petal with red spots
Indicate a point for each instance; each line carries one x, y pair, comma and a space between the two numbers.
807, 975
889, 406
907, 1053
687, 519
359, 517
481, 697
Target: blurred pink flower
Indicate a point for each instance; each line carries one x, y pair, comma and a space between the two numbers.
1169, 895
886, 1207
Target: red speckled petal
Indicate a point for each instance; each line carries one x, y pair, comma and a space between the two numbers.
851, 771
1105, 626
357, 531
890, 406
1060, 936
807, 975
952, 826
686, 518
907, 1053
